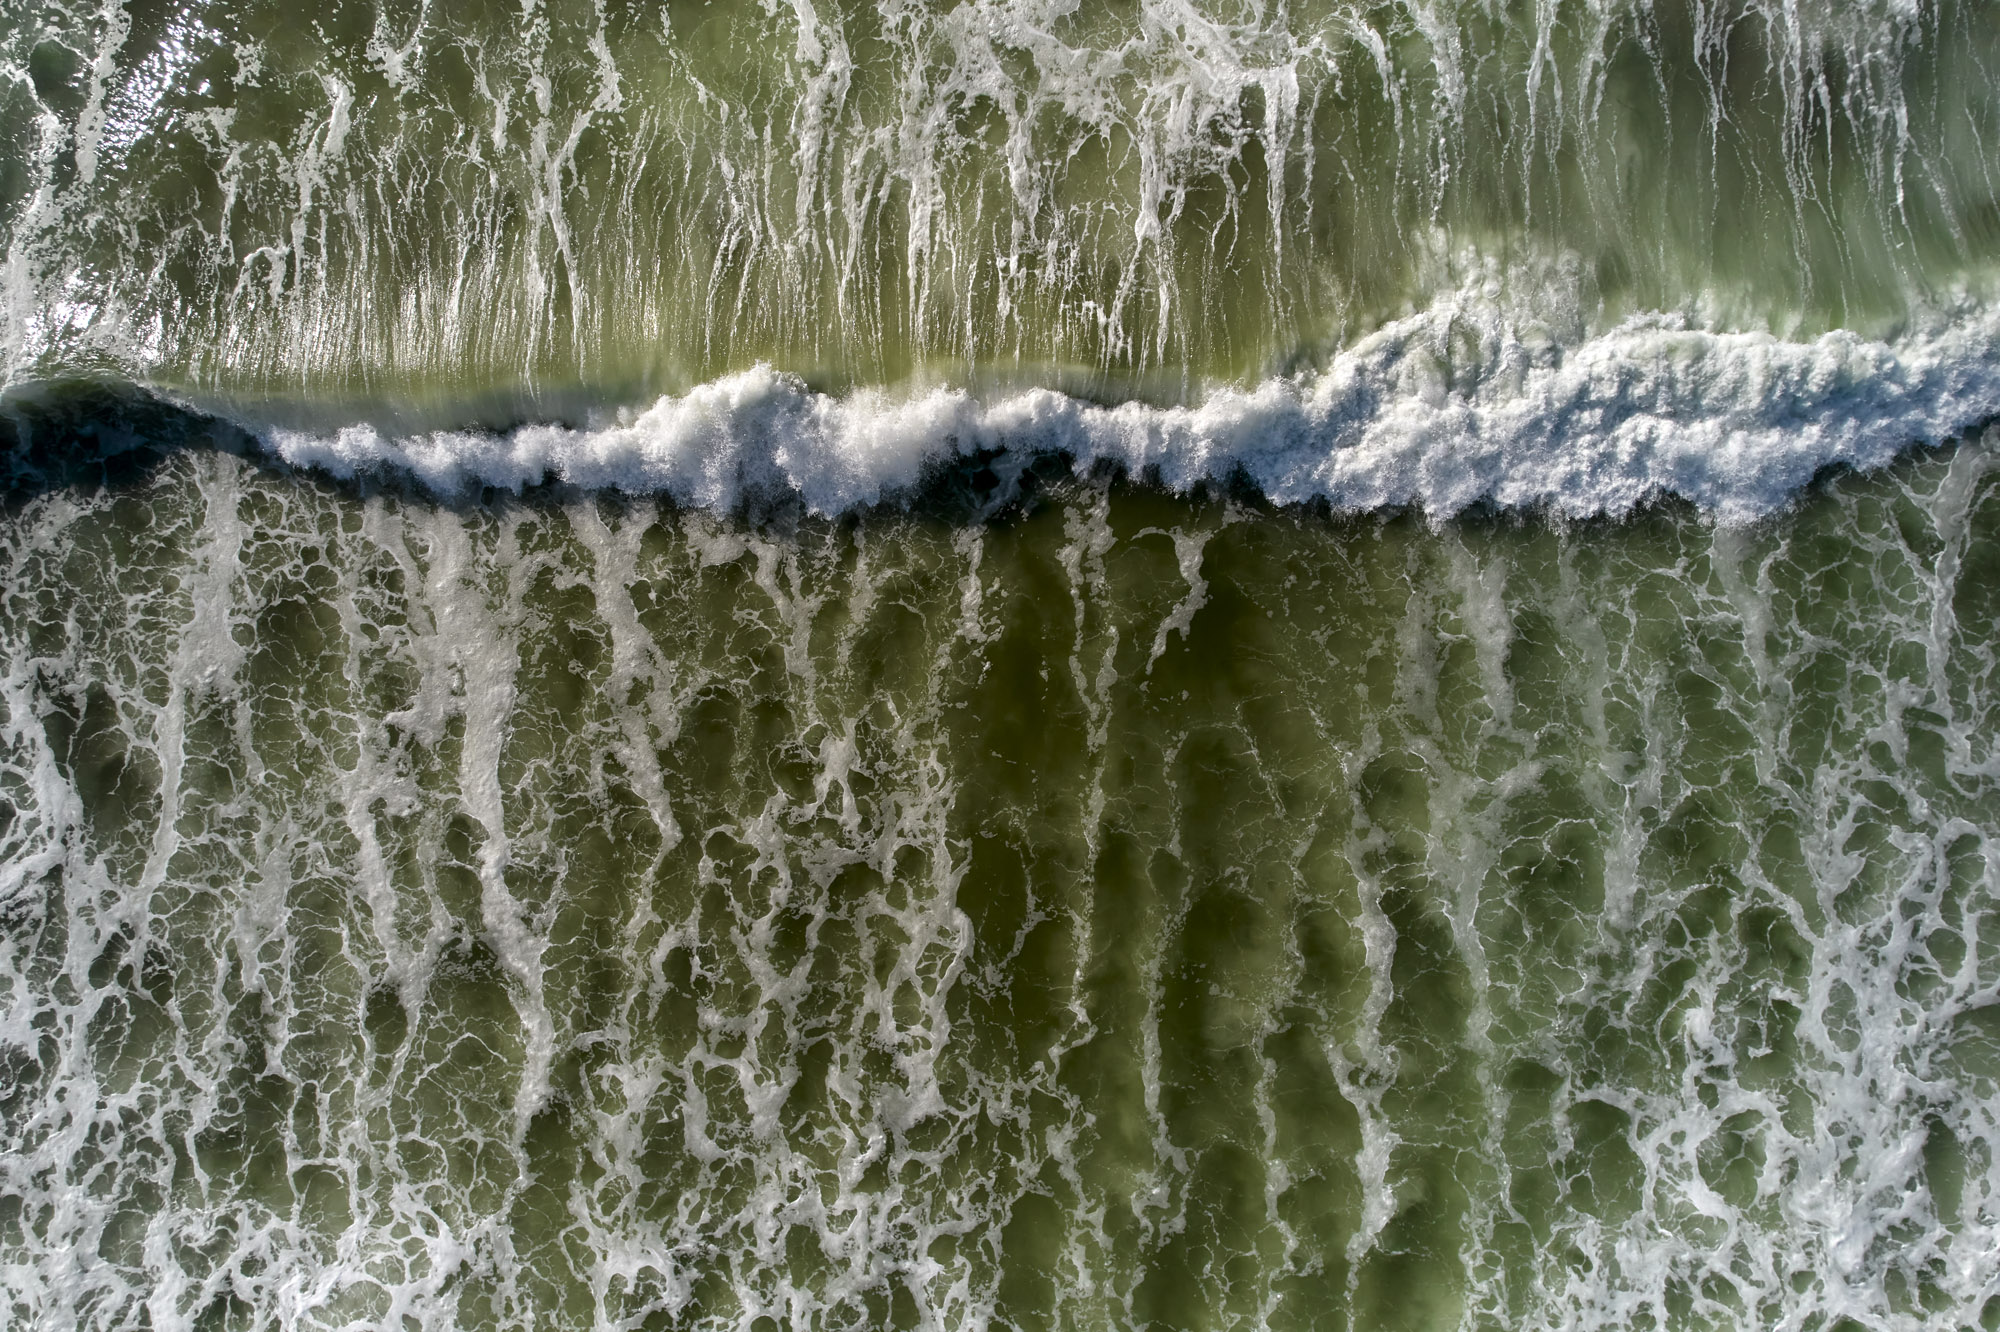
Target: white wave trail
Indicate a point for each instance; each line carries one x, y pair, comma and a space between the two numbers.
1441, 411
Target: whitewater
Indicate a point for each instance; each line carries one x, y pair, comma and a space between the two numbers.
1736, 423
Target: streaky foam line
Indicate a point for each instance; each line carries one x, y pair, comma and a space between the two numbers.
1734, 422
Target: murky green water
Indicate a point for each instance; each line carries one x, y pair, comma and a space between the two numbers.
1122, 909
1144, 664
494, 211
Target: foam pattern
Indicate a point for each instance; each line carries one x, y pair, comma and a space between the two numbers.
583, 911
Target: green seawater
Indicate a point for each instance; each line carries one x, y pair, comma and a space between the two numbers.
1056, 903
989, 665
482, 213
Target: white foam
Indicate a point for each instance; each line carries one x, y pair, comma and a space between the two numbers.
1735, 422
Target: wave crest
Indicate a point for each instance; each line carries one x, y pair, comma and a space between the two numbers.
1441, 411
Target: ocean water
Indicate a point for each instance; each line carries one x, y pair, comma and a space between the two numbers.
1160, 664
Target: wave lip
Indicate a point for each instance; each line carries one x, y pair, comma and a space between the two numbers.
1442, 411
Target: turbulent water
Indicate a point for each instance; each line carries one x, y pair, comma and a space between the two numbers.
1176, 664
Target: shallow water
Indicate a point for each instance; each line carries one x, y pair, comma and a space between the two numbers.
491, 213
1125, 908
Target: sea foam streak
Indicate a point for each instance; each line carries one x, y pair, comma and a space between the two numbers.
1735, 422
